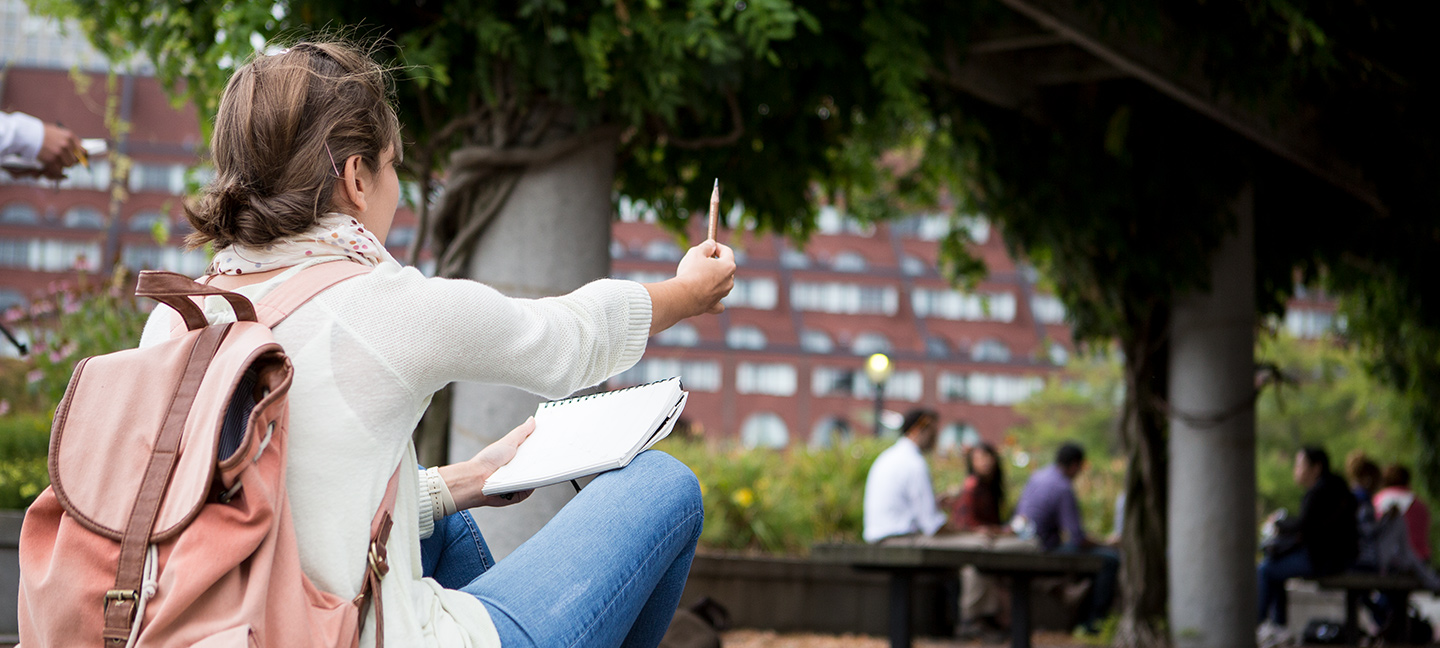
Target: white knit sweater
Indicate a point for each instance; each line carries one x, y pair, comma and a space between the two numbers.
368, 353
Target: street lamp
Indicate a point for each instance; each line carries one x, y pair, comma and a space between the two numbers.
878, 370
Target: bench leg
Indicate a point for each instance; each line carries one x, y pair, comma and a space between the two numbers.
1020, 610
1350, 634
900, 581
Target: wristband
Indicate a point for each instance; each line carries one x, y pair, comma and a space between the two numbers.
440, 496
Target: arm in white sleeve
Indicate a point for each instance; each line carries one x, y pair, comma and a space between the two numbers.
435, 331
21, 134
928, 515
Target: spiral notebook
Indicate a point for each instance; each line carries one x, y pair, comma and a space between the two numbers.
590, 434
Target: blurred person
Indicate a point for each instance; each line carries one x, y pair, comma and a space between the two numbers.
1048, 505
53, 146
899, 496
982, 496
1322, 540
984, 599
1395, 493
1364, 482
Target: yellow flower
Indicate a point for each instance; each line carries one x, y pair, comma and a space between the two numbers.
743, 498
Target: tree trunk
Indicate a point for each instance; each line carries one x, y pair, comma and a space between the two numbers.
1143, 575
550, 236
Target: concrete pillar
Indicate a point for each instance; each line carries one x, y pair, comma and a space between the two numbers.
1212, 450
550, 238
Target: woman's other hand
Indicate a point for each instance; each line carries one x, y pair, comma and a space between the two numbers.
706, 274
466, 480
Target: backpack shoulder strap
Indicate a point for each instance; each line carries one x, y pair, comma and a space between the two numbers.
296, 291
377, 560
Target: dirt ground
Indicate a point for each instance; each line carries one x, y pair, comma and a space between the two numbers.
771, 639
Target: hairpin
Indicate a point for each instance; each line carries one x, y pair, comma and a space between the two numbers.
333, 166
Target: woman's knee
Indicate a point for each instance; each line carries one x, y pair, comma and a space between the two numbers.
667, 480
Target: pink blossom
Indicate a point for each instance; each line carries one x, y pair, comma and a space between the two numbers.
34, 376
4, 407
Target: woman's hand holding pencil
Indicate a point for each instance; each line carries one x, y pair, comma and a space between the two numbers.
705, 276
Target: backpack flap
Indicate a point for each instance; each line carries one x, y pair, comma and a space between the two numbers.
107, 426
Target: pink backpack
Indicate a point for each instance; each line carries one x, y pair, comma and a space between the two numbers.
167, 521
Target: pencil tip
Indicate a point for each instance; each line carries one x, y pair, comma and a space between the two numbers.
717, 183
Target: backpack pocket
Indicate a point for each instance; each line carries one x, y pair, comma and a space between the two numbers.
237, 637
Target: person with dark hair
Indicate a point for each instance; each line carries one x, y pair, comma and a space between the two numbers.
1322, 540
1049, 507
1364, 482
984, 605
899, 496
982, 497
305, 146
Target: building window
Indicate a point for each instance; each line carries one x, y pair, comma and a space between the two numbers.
813, 341
848, 262
913, 266
955, 436
988, 389
61, 256
955, 305
14, 253
696, 375
18, 213
400, 237
830, 432
832, 381
978, 228
1058, 354
794, 259
843, 298
145, 221
641, 276
868, 343
682, 334
745, 337
141, 257
162, 178
758, 293
764, 430
990, 350
660, 250
831, 221
936, 347
84, 218
95, 177
771, 379
902, 385
1048, 309
1308, 324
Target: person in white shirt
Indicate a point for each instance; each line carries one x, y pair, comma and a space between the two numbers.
899, 498
54, 147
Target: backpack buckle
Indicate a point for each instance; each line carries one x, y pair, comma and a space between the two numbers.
377, 559
121, 595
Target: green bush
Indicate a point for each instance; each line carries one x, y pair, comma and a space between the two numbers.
24, 441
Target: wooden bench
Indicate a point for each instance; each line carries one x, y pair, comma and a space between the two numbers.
903, 561
1357, 585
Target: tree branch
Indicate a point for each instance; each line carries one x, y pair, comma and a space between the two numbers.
710, 142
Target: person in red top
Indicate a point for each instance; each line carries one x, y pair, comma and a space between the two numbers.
1395, 492
983, 496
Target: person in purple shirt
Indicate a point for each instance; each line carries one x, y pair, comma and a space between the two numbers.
1048, 505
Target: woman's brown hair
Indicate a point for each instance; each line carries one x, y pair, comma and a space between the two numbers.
282, 120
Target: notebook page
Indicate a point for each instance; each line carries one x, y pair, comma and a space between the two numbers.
588, 434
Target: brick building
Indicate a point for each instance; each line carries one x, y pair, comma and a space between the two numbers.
782, 366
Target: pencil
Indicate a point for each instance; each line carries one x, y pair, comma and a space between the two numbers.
714, 209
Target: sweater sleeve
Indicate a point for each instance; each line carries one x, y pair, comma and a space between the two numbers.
21, 134
435, 331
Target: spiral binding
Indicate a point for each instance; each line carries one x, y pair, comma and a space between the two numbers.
566, 401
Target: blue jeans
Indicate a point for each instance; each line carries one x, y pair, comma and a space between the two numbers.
607, 570
1102, 590
1272, 575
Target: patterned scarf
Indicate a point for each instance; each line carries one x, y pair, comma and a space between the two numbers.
336, 235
